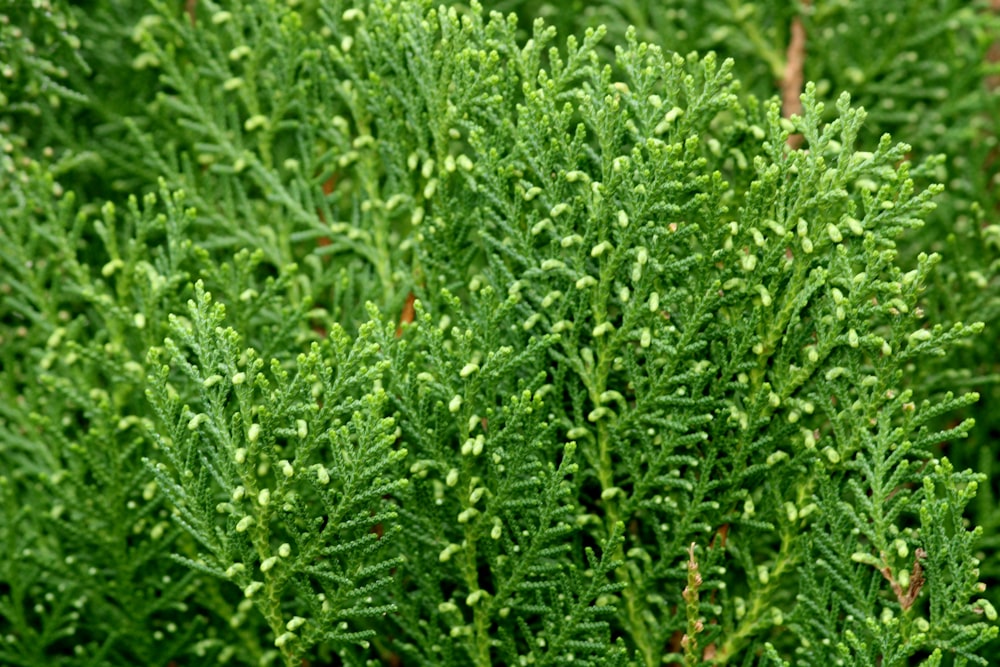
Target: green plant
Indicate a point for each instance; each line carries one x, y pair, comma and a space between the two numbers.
414, 341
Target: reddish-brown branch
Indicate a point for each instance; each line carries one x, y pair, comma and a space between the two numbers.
407, 315
794, 78
906, 599
993, 56
189, 7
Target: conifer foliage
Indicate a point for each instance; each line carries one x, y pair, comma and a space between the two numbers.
387, 334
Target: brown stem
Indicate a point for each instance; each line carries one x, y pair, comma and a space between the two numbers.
794, 77
993, 55
189, 7
409, 312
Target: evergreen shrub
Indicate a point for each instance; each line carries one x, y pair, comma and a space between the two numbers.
382, 333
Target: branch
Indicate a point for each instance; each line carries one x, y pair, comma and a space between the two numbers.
794, 77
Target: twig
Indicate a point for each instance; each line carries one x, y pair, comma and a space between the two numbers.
907, 599
794, 77
993, 55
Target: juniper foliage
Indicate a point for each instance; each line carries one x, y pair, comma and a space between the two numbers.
654, 396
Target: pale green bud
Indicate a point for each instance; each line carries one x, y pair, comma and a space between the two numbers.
986, 607
866, 558
255, 121
808, 439
902, 550
603, 328
268, 563
322, 475
448, 552
239, 52
562, 325
776, 457
558, 210
600, 249
599, 413
551, 298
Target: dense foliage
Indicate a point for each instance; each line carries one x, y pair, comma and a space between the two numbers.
378, 333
